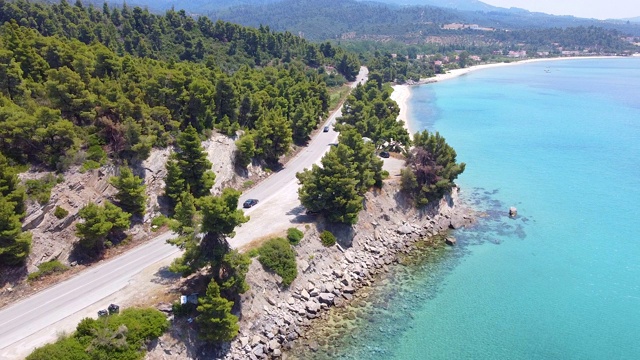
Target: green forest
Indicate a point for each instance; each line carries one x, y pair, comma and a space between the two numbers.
80, 86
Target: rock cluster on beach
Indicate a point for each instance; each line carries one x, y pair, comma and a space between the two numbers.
273, 318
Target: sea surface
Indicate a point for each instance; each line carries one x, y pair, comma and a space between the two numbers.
560, 141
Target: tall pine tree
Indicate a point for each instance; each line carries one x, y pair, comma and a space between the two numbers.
216, 321
195, 168
131, 191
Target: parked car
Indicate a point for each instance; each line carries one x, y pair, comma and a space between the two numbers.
249, 203
326, 129
384, 154
103, 313
113, 309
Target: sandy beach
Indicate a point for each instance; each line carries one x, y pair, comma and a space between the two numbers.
402, 93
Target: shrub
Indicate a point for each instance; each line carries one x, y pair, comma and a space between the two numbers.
294, 235
253, 253
278, 256
327, 238
159, 221
40, 189
60, 212
47, 268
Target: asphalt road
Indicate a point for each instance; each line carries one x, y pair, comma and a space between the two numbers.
48, 308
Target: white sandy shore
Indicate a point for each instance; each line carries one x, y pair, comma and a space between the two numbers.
402, 93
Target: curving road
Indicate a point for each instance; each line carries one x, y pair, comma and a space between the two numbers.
39, 318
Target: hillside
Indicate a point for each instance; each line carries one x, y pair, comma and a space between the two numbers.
78, 106
325, 19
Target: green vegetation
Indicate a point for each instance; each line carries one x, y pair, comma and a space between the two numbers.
374, 115
14, 243
160, 221
118, 337
348, 170
60, 212
101, 223
47, 268
278, 256
40, 189
327, 238
431, 168
189, 169
131, 191
216, 321
294, 236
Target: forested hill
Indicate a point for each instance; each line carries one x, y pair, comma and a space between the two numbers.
328, 19
172, 36
80, 88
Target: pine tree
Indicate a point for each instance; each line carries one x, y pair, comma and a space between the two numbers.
10, 187
14, 244
184, 214
131, 191
333, 188
216, 321
174, 184
100, 222
195, 168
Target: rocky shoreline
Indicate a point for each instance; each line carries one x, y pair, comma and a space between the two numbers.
272, 319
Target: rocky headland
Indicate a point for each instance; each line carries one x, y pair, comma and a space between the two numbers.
273, 318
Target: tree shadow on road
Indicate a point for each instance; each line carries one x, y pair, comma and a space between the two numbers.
164, 276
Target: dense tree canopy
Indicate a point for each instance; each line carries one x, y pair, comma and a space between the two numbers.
215, 319
100, 223
14, 243
131, 191
431, 168
374, 115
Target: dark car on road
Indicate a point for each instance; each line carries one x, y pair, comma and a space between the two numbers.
384, 154
326, 129
249, 203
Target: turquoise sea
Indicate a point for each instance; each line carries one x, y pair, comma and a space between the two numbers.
559, 140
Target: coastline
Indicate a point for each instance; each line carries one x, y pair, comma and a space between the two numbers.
275, 319
402, 93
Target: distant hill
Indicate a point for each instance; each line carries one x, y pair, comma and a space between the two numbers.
464, 5
635, 19
327, 19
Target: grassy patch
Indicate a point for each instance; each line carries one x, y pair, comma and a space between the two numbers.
327, 238
294, 236
47, 268
60, 212
158, 222
278, 256
40, 189
336, 95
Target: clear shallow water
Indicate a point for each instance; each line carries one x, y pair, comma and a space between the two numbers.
560, 141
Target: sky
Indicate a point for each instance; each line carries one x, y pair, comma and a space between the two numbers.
598, 9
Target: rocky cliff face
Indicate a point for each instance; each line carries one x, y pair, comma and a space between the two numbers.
273, 317
53, 238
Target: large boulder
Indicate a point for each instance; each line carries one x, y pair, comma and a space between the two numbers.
326, 298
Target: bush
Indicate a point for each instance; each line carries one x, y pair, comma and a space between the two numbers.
40, 189
47, 268
253, 253
159, 221
278, 256
115, 337
60, 212
294, 236
327, 238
